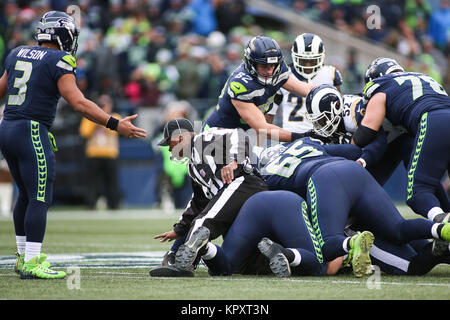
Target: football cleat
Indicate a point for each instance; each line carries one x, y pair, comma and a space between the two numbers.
441, 246
278, 262
169, 271
360, 245
34, 270
21, 259
168, 259
187, 253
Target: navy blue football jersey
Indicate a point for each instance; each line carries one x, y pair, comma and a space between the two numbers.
408, 96
32, 91
244, 87
296, 161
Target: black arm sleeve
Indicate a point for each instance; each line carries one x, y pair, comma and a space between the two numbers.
195, 206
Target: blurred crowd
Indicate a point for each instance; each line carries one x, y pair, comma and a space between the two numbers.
417, 29
149, 53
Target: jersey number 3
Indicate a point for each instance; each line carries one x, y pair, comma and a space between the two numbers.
21, 83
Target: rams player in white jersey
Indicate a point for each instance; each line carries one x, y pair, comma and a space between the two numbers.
308, 54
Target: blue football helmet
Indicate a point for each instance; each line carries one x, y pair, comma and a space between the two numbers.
60, 28
324, 108
380, 67
263, 50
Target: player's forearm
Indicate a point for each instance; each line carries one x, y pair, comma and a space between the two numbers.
91, 111
273, 132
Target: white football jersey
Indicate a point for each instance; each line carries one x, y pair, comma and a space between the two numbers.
293, 107
353, 111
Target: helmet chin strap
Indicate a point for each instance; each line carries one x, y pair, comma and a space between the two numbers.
60, 44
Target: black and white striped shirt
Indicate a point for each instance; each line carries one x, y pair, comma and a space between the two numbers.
211, 150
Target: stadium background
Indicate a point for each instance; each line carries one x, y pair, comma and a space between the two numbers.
151, 56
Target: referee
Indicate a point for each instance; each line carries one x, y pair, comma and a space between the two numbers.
222, 180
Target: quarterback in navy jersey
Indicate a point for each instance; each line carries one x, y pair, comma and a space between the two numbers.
419, 104
35, 78
337, 189
250, 90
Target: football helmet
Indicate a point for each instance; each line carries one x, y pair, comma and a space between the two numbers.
60, 28
380, 67
324, 107
263, 50
308, 54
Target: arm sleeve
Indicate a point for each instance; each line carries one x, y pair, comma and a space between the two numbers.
348, 151
195, 206
373, 152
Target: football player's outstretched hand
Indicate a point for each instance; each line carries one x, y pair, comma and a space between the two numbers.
127, 129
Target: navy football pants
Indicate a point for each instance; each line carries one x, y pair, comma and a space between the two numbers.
343, 189
282, 217
399, 150
429, 160
27, 149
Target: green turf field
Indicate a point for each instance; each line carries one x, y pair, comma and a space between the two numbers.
108, 256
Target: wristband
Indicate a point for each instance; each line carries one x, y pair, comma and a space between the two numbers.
362, 161
112, 123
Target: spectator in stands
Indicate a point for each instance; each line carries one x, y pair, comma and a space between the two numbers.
102, 151
439, 25
353, 79
204, 19
229, 14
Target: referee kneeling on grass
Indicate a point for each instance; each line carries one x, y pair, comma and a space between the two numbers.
222, 180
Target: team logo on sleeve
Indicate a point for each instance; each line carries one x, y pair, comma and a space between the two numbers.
237, 87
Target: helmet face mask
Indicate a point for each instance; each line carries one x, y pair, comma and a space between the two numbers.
263, 50
59, 28
308, 55
324, 107
380, 67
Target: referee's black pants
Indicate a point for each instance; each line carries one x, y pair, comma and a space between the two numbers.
222, 209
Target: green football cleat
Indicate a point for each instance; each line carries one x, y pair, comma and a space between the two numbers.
21, 259
445, 232
34, 270
360, 245
440, 246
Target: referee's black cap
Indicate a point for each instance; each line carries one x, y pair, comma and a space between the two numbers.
175, 126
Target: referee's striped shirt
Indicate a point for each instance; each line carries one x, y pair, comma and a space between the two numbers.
211, 150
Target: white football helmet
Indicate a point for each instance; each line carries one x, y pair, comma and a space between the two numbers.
308, 54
